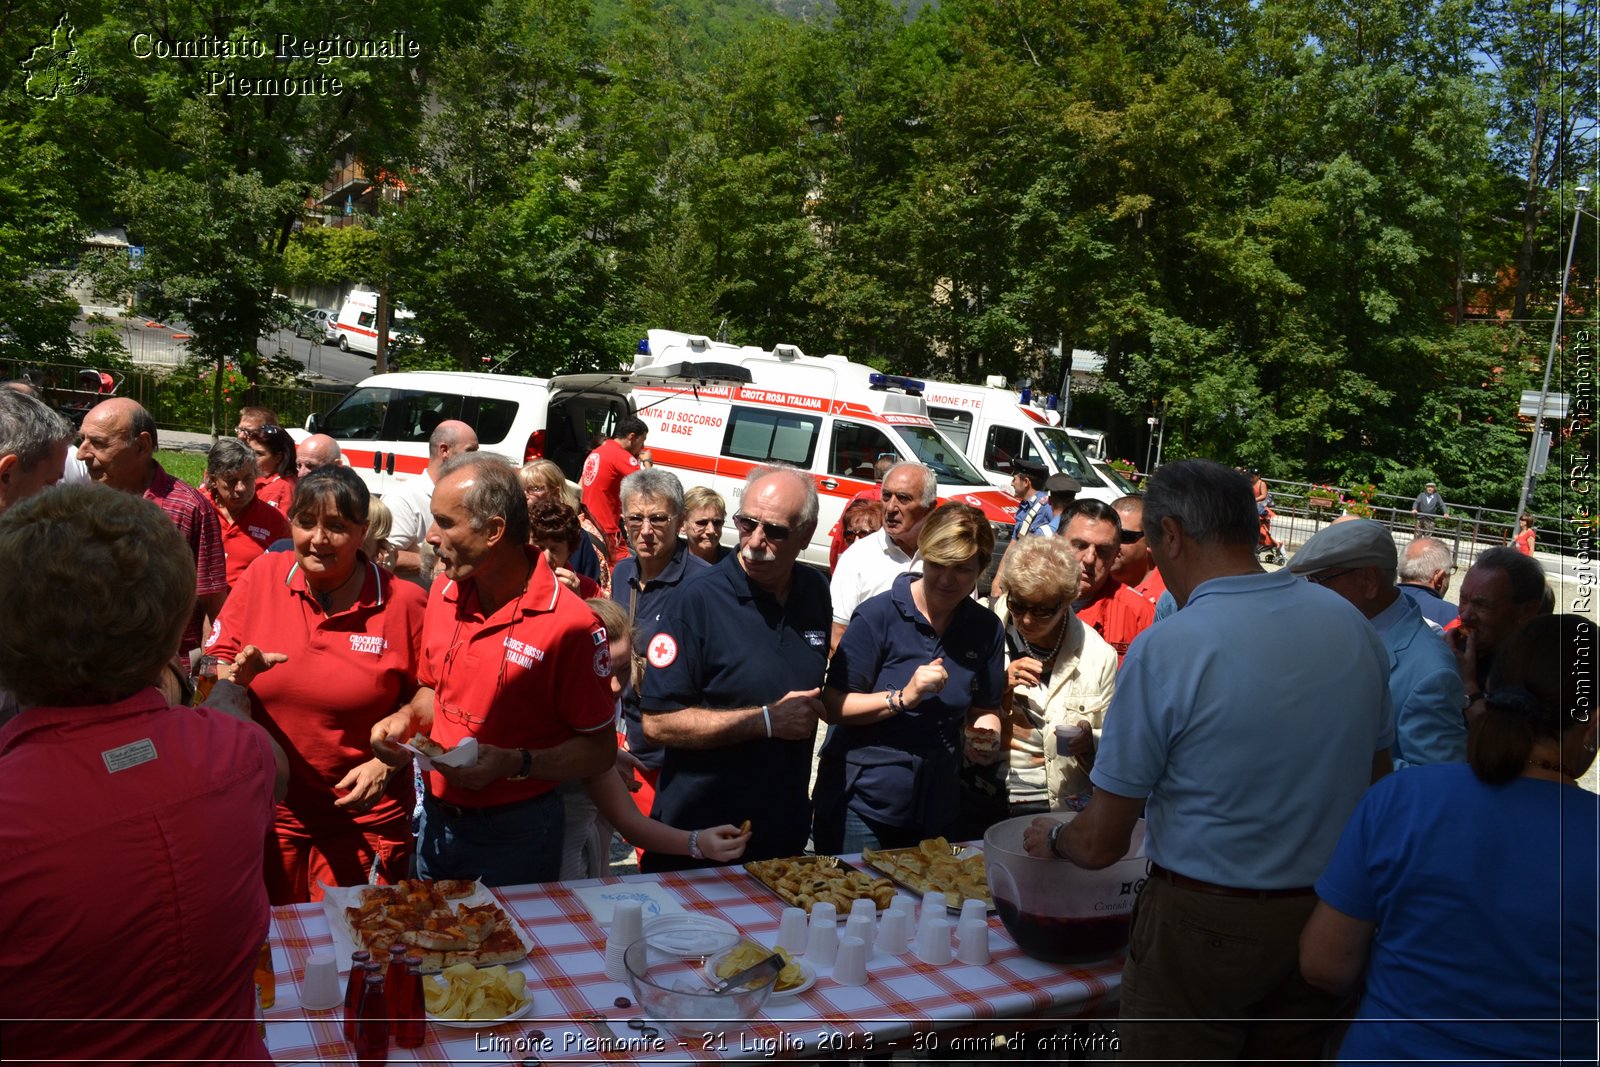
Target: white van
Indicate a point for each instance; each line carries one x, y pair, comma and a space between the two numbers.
994, 426
383, 425
1092, 442
357, 325
824, 414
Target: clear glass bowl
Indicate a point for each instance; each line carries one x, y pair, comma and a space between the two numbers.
668, 979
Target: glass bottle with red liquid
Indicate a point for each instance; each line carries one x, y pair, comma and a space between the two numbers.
360, 966
372, 1022
407, 1003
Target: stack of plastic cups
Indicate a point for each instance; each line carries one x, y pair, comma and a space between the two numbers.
894, 929
627, 926
933, 941
851, 966
863, 928
822, 944
933, 905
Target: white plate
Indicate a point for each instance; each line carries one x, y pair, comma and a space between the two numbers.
805, 966
464, 753
482, 1024
336, 898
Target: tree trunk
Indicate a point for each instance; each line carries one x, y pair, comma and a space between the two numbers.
1532, 210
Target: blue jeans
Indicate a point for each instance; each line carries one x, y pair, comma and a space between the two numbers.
514, 846
861, 833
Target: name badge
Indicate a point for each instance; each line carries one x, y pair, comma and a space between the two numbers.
120, 759
817, 638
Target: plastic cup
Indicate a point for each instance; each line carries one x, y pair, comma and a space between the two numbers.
894, 932
933, 941
792, 930
973, 908
862, 927
972, 937
319, 985
863, 906
851, 966
627, 926
822, 942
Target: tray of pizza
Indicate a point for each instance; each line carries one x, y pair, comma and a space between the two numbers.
806, 880
935, 865
445, 922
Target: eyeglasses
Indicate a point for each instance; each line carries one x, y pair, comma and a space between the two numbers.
1037, 611
635, 522
1132, 537
700, 524
456, 715
852, 535
1324, 577
772, 531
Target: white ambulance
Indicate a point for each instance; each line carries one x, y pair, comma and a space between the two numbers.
994, 426
823, 414
357, 324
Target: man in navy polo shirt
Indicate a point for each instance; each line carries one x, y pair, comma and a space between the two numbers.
733, 675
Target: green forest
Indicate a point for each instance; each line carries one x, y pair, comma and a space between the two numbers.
1324, 238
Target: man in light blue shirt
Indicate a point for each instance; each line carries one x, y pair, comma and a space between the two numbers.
1245, 728
1358, 561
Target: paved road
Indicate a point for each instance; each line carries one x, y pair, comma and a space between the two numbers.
162, 344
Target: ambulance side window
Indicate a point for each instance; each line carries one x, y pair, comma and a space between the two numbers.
956, 425
855, 448
771, 435
1005, 444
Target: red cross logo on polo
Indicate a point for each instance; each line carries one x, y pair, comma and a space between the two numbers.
591, 467
663, 650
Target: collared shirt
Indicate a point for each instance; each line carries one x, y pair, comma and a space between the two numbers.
410, 512
1434, 607
344, 673
602, 478
645, 602
276, 492
724, 643
866, 569
1152, 587
133, 837
197, 521
1033, 516
533, 673
1425, 687
885, 643
1118, 614
1249, 720
244, 539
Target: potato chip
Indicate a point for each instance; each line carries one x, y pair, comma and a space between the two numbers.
463, 992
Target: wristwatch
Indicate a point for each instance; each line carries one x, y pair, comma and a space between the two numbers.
526, 769
1050, 839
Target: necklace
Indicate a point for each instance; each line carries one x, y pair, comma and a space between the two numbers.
1554, 768
1038, 652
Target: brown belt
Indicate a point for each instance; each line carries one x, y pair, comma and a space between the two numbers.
1183, 881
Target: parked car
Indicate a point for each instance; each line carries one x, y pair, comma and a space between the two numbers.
318, 325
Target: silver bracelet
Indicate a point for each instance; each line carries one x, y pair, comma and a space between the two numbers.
694, 846
766, 717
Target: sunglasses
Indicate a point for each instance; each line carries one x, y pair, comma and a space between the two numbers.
1132, 537
1036, 611
772, 531
700, 524
851, 535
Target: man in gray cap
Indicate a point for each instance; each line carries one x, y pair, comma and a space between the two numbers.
1428, 506
1063, 490
1358, 561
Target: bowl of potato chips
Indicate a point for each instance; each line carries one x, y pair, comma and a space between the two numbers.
670, 981
473, 998
796, 977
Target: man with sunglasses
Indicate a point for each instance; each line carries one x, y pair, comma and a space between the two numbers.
870, 566
1134, 567
1093, 531
1357, 560
733, 676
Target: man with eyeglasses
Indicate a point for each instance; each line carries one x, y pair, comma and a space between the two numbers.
514, 660
644, 584
1357, 560
870, 566
410, 504
1134, 566
603, 471
251, 419
1093, 531
733, 677
1425, 571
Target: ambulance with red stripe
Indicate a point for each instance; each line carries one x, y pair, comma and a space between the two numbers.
823, 414
994, 425
357, 324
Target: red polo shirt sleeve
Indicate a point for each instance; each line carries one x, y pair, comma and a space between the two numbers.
602, 478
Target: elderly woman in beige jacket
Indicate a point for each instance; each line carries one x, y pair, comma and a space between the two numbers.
1057, 671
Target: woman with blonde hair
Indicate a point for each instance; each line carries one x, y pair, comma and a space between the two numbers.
1058, 672
916, 683
380, 520
705, 514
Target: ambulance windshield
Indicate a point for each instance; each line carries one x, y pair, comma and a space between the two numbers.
1066, 455
945, 459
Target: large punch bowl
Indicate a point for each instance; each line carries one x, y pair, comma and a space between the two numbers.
1055, 910
666, 971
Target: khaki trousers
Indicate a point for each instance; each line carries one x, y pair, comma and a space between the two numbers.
1214, 977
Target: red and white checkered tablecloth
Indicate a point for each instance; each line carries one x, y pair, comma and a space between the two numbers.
568, 982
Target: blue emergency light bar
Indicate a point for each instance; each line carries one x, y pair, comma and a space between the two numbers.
879, 380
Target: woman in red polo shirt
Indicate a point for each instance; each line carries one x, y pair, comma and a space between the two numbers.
328, 643
249, 524
274, 450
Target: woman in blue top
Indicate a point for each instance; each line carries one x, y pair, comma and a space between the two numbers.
916, 666
1466, 895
